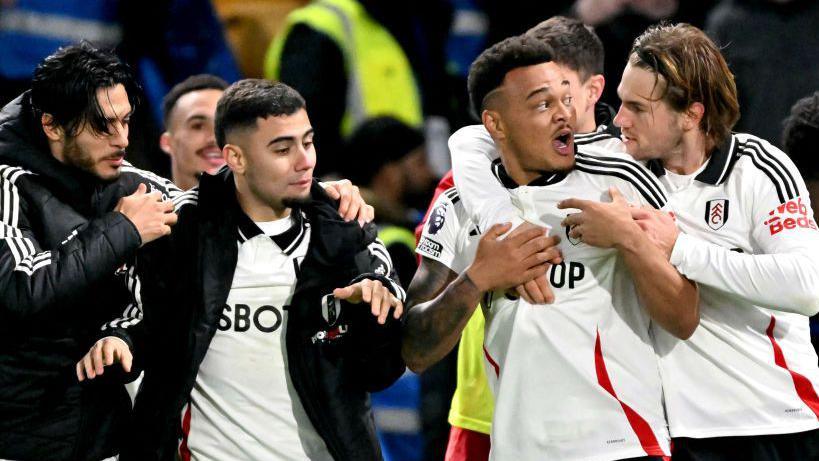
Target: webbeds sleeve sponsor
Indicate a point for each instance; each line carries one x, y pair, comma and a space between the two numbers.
793, 214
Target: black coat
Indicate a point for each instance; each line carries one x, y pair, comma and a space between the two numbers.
62, 276
185, 286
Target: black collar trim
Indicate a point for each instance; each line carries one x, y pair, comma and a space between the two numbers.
547, 179
288, 240
719, 165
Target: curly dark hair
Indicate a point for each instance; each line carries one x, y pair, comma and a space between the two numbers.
490, 68
65, 86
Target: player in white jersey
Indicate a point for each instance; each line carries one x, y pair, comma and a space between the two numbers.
255, 353
744, 386
577, 379
579, 53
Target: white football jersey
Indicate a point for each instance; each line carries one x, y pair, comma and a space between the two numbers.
243, 405
577, 379
749, 240
449, 236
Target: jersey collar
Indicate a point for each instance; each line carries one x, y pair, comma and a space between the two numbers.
547, 179
719, 165
287, 240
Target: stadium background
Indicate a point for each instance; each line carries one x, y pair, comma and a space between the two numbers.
770, 46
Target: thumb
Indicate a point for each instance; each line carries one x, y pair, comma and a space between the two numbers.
497, 230
616, 196
141, 189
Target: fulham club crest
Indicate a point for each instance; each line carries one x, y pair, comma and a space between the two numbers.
330, 309
716, 213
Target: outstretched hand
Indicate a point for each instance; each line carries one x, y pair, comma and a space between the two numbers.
373, 292
107, 351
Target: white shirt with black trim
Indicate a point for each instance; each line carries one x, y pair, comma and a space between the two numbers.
750, 241
602, 138
449, 236
577, 379
243, 405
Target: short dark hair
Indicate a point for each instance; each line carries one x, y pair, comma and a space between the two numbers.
490, 68
190, 84
251, 99
65, 86
800, 136
574, 44
694, 71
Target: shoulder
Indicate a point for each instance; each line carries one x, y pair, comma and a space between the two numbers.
469, 136
758, 159
11, 174
621, 168
132, 176
188, 199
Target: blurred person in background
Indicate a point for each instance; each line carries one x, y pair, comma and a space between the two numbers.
800, 138
348, 66
189, 109
387, 158
770, 46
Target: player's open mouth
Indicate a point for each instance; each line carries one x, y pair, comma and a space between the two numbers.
212, 155
564, 142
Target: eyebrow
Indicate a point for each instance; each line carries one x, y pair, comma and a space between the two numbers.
115, 118
544, 89
290, 138
196, 117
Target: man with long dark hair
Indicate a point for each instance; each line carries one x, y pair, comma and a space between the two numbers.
68, 233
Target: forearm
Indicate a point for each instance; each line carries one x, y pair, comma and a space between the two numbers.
434, 327
672, 301
756, 278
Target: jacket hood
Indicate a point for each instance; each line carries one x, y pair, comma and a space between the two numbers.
23, 144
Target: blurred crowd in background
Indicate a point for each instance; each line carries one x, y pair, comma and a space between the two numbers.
385, 85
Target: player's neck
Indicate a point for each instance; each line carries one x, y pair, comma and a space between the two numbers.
587, 125
259, 210
689, 155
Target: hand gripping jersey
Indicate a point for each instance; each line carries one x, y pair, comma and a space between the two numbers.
749, 240
578, 379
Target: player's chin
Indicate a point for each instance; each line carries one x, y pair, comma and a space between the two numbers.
107, 172
560, 162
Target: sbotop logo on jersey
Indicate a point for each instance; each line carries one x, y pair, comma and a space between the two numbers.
792, 214
716, 213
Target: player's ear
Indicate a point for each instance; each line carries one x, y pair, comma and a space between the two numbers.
693, 115
595, 85
494, 125
235, 158
165, 143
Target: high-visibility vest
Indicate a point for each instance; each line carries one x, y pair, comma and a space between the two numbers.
380, 79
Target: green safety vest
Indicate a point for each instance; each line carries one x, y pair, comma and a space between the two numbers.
380, 79
390, 234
